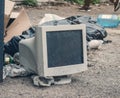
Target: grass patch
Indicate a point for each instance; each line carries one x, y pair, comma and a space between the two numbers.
30, 2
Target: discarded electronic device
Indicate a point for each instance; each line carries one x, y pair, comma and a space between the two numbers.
55, 50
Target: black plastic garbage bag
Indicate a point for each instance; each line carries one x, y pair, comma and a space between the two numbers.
12, 46
93, 31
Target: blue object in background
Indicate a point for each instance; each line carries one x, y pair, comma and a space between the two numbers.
108, 21
1, 38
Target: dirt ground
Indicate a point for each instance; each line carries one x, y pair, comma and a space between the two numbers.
101, 80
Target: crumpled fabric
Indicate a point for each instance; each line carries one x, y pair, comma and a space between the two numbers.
14, 70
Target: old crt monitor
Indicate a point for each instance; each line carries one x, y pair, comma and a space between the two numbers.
55, 50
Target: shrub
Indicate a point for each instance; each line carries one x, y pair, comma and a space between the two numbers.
30, 2
81, 2
95, 1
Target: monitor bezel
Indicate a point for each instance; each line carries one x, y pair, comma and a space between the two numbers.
42, 62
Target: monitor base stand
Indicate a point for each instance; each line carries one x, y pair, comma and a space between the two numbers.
48, 81
62, 79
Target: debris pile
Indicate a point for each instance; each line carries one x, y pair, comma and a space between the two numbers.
20, 28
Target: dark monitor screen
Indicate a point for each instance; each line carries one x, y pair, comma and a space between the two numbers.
64, 48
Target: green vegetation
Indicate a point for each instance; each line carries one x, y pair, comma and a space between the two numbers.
95, 1
30, 2
81, 2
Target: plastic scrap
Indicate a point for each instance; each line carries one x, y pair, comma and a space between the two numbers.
13, 70
50, 17
16, 58
95, 44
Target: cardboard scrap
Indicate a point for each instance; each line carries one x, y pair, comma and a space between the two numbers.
20, 24
8, 9
13, 16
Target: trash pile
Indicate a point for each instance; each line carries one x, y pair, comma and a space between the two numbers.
20, 28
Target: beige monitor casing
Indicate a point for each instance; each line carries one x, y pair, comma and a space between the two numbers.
33, 52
